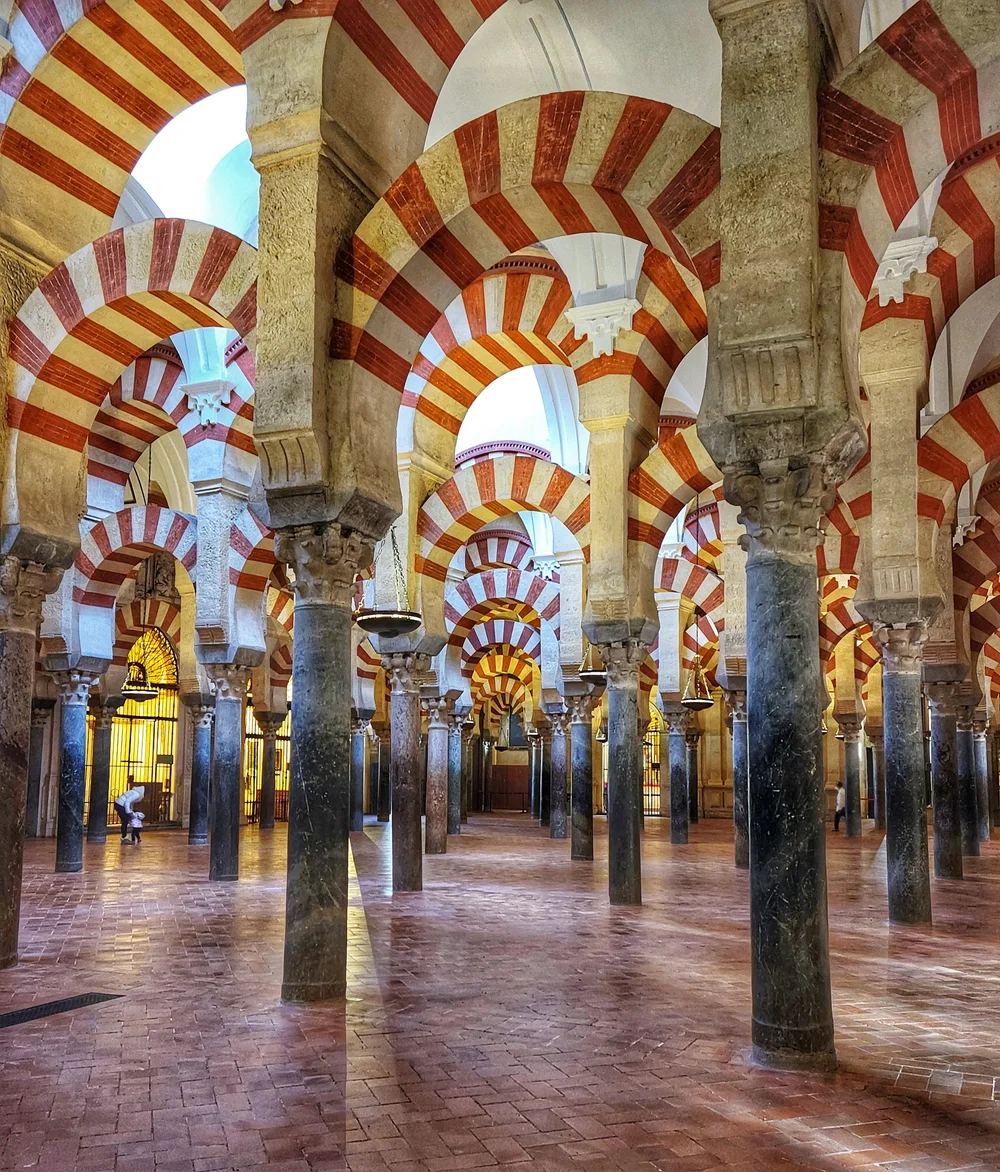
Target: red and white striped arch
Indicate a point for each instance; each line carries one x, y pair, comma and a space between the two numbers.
537, 169
144, 404
493, 549
977, 559
918, 97
500, 632
702, 533
281, 607
700, 585
492, 587
506, 688
131, 620
479, 494
499, 663
88, 320
111, 549
280, 665
251, 559
84, 93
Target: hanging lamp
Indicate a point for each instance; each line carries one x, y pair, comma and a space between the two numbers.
697, 696
592, 671
137, 686
388, 622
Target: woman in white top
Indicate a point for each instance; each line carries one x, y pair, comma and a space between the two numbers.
124, 803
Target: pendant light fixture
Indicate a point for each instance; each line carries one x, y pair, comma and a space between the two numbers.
137, 686
697, 696
391, 623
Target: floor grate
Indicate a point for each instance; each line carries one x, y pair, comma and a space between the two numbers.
48, 1008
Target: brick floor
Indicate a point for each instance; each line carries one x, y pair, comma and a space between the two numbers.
505, 1016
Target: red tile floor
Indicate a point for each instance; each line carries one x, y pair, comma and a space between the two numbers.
506, 1015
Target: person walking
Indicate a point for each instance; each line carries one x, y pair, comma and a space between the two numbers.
135, 824
840, 809
124, 803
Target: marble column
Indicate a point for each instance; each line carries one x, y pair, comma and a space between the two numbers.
907, 864
622, 662
878, 775
994, 781
581, 777
737, 702
455, 772
384, 787
100, 769
792, 1022
545, 758
968, 796
41, 709
692, 739
439, 714
678, 720
560, 760
982, 775
358, 736
468, 753
269, 723
74, 692
407, 767
23, 586
229, 685
535, 783
201, 706
943, 697
850, 727
325, 560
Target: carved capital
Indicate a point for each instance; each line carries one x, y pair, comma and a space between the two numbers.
270, 722
693, 736
622, 662
581, 709
979, 725
736, 705
560, 722
439, 711
104, 713
902, 647
74, 685
228, 681
325, 560
850, 728
40, 710
677, 719
943, 696
407, 670
963, 717
23, 586
782, 503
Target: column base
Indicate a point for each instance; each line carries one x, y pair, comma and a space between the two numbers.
305, 993
582, 856
436, 850
824, 1061
68, 868
222, 878
8, 962
197, 840
910, 917
97, 838
626, 898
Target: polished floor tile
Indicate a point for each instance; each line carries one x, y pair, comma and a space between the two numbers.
506, 1015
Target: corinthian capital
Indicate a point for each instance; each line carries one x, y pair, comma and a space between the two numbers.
581, 709
23, 586
325, 560
782, 503
74, 685
408, 670
622, 662
228, 681
902, 647
438, 709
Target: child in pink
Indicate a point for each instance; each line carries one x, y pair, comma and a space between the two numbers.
135, 823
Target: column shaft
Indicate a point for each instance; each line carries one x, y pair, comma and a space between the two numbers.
878, 779
202, 714
968, 797
545, 757
678, 768
227, 760
100, 775
582, 782
74, 687
557, 800
852, 781
384, 786
944, 782
907, 864
982, 782
622, 661
407, 768
790, 964
692, 740
266, 811
39, 718
455, 775
737, 703
436, 831
357, 778
468, 752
